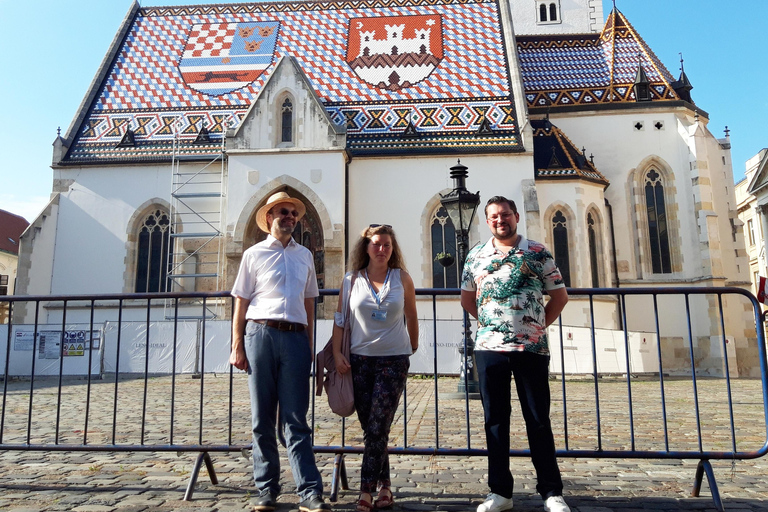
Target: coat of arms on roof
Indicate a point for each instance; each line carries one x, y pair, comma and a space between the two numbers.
222, 57
395, 52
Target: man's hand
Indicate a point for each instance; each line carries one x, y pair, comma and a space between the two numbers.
238, 359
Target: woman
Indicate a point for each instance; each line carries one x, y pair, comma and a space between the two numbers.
381, 344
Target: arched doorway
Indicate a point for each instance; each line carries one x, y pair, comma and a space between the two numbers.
308, 232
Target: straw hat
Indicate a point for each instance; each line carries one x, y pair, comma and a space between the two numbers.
279, 197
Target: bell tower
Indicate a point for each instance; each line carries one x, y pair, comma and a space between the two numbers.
556, 16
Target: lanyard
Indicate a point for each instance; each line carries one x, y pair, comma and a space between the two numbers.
373, 292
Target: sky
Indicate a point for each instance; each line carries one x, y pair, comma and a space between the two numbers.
50, 51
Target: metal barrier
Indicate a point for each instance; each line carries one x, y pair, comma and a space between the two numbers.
617, 415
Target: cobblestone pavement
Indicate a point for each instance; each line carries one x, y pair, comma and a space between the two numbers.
87, 481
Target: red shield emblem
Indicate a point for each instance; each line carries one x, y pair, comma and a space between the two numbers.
395, 52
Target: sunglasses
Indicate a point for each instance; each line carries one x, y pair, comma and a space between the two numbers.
379, 226
285, 212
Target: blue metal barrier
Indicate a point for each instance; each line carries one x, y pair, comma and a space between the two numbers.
594, 426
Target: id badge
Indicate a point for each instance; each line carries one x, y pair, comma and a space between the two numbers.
379, 315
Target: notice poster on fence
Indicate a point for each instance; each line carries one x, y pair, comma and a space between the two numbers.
24, 341
49, 346
75, 344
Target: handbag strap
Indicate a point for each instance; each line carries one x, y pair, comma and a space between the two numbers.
346, 337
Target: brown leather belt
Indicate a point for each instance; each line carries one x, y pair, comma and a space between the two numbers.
282, 325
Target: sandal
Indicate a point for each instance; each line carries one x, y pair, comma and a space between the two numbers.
364, 505
385, 499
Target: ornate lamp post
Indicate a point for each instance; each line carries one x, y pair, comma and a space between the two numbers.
461, 206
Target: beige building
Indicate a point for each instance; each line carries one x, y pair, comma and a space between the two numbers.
752, 201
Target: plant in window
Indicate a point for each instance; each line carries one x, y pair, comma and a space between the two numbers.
446, 259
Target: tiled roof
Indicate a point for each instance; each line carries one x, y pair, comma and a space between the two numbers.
377, 65
590, 69
555, 156
11, 228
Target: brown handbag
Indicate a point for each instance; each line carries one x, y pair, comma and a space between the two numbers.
338, 386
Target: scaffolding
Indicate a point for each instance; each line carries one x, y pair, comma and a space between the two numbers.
195, 261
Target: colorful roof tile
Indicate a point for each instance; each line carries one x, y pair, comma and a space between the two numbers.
555, 156
377, 65
590, 69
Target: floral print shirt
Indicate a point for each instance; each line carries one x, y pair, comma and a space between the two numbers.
509, 295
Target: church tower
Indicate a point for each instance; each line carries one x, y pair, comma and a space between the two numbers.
556, 16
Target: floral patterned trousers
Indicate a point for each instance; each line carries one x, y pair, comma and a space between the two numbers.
379, 382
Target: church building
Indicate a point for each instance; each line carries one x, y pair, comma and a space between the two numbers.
360, 108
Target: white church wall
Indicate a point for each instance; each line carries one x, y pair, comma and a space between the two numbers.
36, 254
621, 149
93, 218
253, 175
577, 198
403, 191
575, 16
263, 126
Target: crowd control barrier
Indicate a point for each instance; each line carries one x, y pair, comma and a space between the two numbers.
149, 373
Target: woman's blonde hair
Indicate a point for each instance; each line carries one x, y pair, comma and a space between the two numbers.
359, 258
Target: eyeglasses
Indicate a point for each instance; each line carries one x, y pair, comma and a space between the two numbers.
285, 212
379, 226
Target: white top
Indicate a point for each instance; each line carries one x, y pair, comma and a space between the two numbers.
378, 326
276, 280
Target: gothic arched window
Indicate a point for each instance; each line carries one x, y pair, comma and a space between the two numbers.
560, 238
153, 248
286, 121
594, 265
443, 236
542, 12
552, 12
658, 233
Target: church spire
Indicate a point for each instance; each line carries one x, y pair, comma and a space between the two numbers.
642, 85
683, 86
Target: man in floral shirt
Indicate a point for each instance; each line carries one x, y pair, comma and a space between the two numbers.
502, 286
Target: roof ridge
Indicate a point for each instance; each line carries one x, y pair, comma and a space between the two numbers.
617, 20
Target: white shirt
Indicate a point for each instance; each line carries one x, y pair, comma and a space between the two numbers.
276, 280
388, 335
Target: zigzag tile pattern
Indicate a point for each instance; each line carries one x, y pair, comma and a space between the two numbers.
590, 69
146, 92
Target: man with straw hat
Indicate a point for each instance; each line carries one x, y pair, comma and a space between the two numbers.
275, 292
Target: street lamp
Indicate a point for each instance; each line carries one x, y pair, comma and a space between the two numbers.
461, 206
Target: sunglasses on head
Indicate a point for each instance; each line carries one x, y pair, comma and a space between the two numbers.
285, 212
379, 226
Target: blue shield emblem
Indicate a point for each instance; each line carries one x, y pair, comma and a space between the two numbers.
222, 57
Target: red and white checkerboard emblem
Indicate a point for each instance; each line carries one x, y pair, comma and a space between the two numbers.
222, 57
395, 52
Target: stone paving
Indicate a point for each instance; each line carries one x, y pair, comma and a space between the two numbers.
136, 481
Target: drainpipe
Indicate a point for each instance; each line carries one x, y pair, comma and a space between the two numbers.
347, 159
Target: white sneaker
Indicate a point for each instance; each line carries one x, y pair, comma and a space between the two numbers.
556, 504
495, 503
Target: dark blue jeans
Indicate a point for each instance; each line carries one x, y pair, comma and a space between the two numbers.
280, 364
531, 372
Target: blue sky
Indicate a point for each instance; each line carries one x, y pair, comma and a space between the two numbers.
50, 51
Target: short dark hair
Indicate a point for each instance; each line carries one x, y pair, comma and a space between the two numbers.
500, 200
